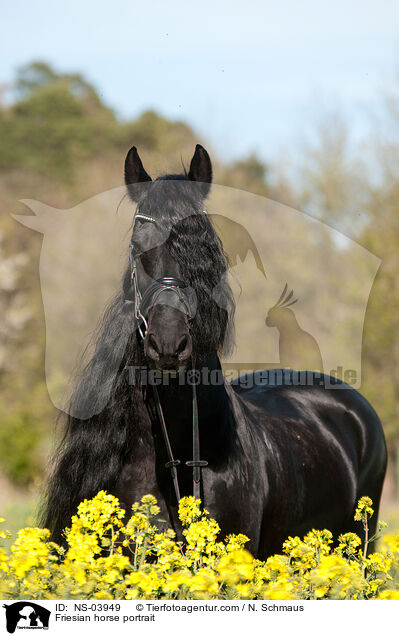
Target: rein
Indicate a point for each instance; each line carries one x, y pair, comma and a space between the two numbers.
142, 303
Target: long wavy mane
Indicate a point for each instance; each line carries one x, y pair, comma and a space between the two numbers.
94, 449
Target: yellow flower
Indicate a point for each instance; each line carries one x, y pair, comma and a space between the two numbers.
336, 576
378, 562
390, 542
96, 562
147, 583
277, 565
236, 566
301, 554
244, 590
348, 544
279, 590
204, 584
189, 510
201, 536
29, 551
177, 580
3, 560
319, 541
235, 542
388, 595
149, 506
364, 508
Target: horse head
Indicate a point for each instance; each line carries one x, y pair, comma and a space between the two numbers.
176, 261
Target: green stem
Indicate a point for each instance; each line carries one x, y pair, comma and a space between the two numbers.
142, 559
366, 543
112, 541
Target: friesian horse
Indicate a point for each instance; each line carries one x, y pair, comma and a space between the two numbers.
268, 461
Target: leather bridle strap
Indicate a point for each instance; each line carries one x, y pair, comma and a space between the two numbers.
196, 462
172, 462
142, 303
157, 287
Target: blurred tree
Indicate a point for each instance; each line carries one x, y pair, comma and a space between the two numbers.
360, 197
247, 174
20, 438
57, 121
381, 334
13, 309
331, 180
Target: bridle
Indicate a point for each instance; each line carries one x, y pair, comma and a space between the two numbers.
142, 303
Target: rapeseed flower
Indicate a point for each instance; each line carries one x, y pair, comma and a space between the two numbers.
115, 554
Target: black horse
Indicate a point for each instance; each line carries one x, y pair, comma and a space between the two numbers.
280, 460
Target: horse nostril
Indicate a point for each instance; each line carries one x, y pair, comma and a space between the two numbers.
152, 345
184, 348
167, 353
182, 345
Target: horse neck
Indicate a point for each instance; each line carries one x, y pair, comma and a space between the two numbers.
214, 410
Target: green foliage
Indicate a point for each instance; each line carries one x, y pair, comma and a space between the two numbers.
20, 437
247, 174
150, 130
57, 121
381, 236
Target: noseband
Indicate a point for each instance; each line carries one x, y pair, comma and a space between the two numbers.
142, 303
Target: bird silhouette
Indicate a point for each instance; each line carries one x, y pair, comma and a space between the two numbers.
298, 349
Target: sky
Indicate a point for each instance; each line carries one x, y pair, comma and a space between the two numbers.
253, 76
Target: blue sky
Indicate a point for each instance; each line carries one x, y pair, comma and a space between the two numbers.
248, 76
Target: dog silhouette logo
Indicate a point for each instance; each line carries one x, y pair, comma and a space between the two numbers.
26, 615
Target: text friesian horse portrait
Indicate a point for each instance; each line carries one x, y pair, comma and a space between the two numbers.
266, 461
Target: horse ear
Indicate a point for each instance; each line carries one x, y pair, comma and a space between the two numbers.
201, 169
134, 171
